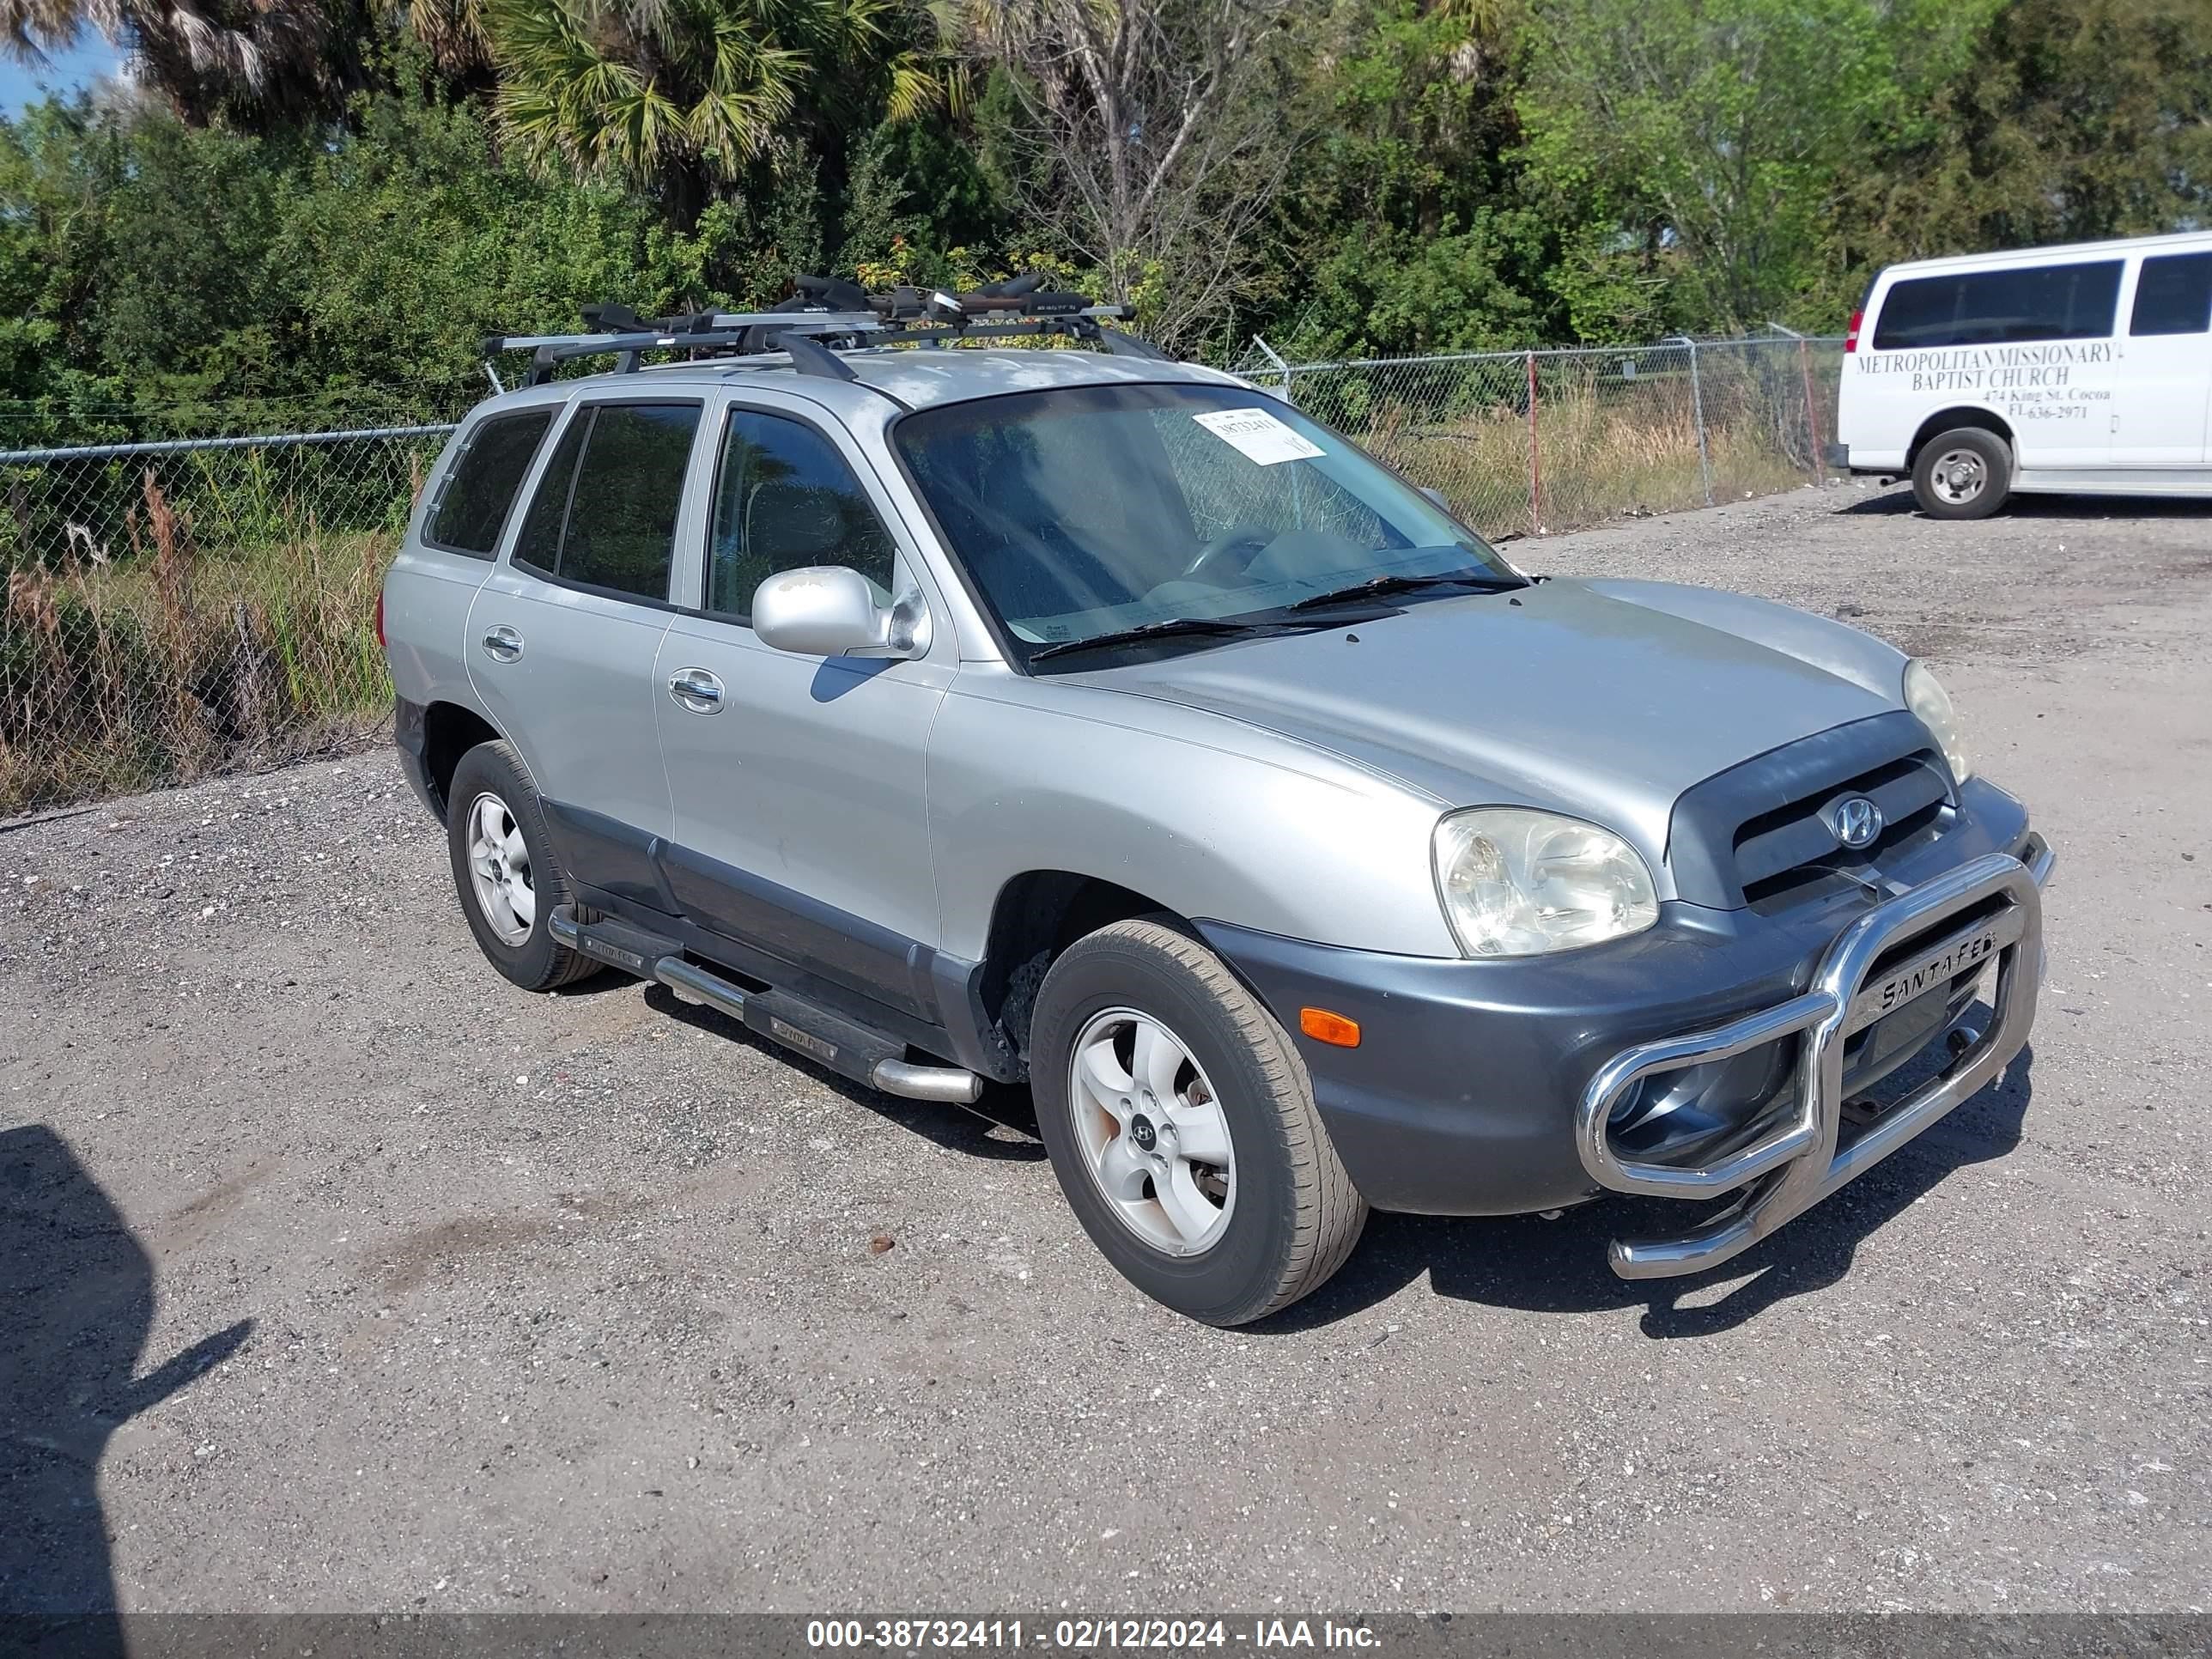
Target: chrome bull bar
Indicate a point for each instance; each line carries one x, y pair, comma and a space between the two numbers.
1801, 1162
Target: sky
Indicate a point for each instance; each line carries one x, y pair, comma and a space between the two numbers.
86, 61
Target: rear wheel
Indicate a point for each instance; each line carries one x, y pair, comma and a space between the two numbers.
1965, 473
1182, 1125
505, 872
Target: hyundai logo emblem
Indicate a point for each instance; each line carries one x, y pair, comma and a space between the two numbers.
1857, 822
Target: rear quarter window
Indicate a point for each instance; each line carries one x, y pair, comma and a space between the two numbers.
2000, 308
480, 486
2173, 296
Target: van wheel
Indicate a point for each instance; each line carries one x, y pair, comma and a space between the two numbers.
1964, 473
1182, 1125
504, 868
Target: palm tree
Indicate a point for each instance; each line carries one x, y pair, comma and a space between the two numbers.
257, 61
674, 94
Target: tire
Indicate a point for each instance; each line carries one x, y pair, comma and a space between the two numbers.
1284, 1215
1964, 473
490, 776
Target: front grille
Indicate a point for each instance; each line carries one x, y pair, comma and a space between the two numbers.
1791, 855
1755, 833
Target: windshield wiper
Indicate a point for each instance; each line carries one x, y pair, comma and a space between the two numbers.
1378, 586
1170, 628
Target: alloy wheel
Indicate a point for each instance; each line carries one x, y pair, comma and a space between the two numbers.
499, 867
1152, 1131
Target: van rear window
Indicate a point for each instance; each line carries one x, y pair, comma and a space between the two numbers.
1997, 308
2173, 296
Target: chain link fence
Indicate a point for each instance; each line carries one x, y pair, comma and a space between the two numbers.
175, 609
1535, 442
178, 608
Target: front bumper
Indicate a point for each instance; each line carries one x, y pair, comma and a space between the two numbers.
1807, 1156
1464, 1094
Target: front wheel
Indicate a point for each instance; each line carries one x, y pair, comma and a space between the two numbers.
1181, 1126
1965, 473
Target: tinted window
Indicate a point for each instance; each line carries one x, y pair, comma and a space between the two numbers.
2173, 296
539, 545
784, 498
1996, 307
481, 483
605, 515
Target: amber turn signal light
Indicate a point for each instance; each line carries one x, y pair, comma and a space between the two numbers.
1323, 1026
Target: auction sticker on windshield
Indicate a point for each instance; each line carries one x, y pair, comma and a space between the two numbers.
1259, 435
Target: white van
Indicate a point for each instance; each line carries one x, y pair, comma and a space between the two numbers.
2086, 368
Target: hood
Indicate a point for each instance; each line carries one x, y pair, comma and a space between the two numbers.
1604, 700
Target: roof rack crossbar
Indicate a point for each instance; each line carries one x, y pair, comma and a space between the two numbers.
707, 321
809, 333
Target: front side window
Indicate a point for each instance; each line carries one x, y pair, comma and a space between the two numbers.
2173, 296
481, 484
1082, 513
604, 515
2000, 308
784, 499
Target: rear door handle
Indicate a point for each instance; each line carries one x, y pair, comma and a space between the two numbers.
696, 690
502, 644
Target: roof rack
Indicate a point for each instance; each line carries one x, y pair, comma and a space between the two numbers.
826, 316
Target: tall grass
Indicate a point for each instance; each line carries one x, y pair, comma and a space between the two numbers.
120, 672
1595, 458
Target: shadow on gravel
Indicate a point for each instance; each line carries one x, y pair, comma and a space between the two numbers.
1001, 1125
1559, 1267
1899, 503
76, 1301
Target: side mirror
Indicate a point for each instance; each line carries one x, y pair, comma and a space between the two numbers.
830, 611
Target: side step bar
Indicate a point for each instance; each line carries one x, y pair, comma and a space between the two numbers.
845, 1047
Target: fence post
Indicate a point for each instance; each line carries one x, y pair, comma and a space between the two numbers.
1697, 414
1536, 462
1276, 358
1812, 414
1812, 420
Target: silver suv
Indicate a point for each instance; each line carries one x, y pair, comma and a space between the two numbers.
1079, 719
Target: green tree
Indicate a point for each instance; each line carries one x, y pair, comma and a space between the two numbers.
156, 278
405, 244
259, 63
1147, 138
675, 96
1404, 227
1704, 145
918, 189
2073, 119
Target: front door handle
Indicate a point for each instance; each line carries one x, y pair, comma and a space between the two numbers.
696, 690
502, 644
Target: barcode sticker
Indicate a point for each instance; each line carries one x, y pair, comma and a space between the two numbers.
1259, 435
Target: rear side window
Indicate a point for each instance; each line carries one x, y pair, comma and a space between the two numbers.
785, 500
605, 514
2173, 296
1999, 307
481, 484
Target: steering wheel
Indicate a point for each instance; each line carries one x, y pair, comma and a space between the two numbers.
1218, 555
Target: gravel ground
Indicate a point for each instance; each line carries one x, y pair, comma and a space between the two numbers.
339, 1274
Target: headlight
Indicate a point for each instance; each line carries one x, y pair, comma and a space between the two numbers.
1925, 696
1518, 882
